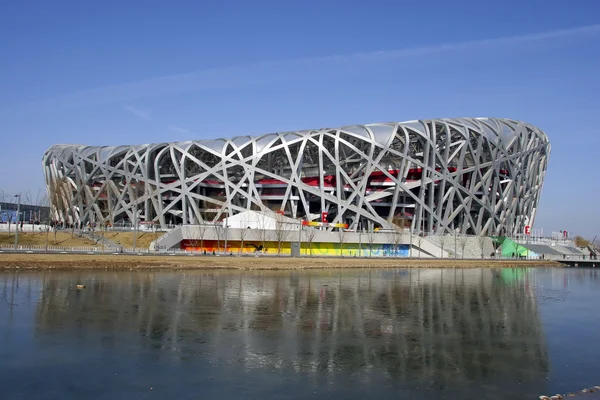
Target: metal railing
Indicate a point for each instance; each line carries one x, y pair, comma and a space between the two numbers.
222, 253
54, 249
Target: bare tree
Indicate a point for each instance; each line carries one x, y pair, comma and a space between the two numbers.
310, 234
102, 235
282, 231
262, 231
47, 234
197, 233
136, 191
497, 248
41, 198
420, 239
342, 237
26, 197
391, 237
55, 228
243, 233
93, 226
209, 216
580, 241
481, 240
371, 238
220, 232
395, 235
3, 197
463, 243
2, 200
9, 218
444, 240
399, 222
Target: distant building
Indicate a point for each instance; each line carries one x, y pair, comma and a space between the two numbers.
29, 213
467, 175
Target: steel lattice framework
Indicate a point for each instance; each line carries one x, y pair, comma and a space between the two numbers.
470, 175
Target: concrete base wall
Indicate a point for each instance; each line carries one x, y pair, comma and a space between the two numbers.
397, 244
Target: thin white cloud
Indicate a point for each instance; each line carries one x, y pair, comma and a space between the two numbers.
178, 129
473, 44
143, 114
257, 73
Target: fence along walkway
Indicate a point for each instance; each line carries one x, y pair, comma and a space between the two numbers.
76, 249
179, 252
94, 249
52, 248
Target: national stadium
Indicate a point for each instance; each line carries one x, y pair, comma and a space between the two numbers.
474, 176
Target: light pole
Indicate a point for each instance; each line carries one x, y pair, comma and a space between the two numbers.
359, 239
411, 240
47, 233
300, 237
225, 230
455, 248
134, 226
18, 196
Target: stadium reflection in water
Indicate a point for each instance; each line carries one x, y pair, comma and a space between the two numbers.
417, 331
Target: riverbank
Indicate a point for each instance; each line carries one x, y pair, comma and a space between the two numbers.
129, 262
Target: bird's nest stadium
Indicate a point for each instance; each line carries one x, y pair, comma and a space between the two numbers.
480, 176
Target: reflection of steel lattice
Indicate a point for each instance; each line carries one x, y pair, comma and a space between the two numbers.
481, 176
456, 326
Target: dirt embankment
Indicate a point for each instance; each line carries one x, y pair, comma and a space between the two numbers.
69, 239
29, 238
128, 262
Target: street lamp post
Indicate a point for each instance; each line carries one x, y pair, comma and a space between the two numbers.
455, 247
225, 230
359, 239
18, 196
135, 211
300, 237
410, 249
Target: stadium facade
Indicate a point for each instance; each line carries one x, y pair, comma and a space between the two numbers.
468, 175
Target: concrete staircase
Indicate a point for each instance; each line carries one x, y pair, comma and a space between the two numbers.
100, 240
474, 246
170, 240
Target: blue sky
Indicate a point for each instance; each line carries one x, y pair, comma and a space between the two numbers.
127, 72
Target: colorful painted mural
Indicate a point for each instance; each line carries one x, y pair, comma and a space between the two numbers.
316, 249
